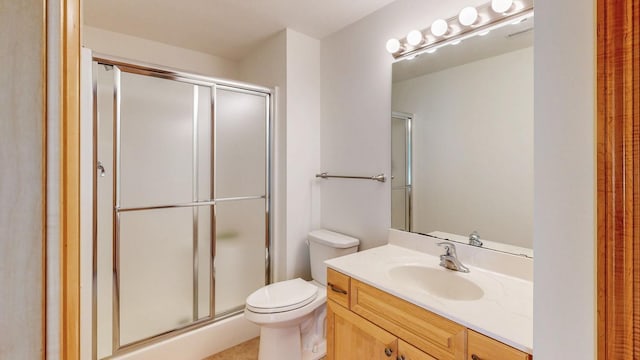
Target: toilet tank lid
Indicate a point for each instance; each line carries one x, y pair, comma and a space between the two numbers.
333, 239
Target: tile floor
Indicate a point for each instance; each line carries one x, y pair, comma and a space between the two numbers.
245, 351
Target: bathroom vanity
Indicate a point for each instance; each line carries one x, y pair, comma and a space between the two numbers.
393, 302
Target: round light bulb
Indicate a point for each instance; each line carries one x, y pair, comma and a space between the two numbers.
501, 6
468, 16
393, 46
439, 27
414, 37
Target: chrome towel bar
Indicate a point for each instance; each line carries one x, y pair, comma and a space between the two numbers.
379, 177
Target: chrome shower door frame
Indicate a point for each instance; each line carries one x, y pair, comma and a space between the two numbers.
119, 66
408, 186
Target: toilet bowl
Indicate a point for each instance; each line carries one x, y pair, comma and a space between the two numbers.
296, 324
292, 313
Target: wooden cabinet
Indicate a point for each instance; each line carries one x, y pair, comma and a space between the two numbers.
485, 348
441, 338
352, 337
338, 287
364, 322
408, 352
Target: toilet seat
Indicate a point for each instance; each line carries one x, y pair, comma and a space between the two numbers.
282, 296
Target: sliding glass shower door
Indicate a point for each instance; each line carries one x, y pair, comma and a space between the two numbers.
182, 202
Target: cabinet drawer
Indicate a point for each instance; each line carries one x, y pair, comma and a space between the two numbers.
440, 338
485, 348
338, 287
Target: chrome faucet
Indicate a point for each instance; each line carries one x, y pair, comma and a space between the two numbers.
449, 260
474, 239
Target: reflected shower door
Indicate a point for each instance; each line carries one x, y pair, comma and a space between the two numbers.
401, 171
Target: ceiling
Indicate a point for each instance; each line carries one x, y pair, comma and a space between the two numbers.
225, 28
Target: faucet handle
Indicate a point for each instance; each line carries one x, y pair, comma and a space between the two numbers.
474, 239
449, 248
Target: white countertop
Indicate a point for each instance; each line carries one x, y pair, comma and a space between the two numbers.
504, 312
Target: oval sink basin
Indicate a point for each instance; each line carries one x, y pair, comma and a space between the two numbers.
438, 282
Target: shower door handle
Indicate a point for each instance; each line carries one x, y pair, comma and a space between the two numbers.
101, 170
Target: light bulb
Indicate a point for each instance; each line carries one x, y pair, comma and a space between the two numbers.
468, 16
414, 37
439, 27
501, 6
393, 46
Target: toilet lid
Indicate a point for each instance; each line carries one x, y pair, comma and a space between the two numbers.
282, 296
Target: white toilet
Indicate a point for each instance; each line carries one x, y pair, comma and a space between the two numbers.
292, 313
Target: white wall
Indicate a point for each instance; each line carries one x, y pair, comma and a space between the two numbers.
356, 90
290, 61
473, 148
303, 148
564, 152
134, 48
22, 131
355, 115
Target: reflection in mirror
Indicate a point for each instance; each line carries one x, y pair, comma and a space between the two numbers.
465, 162
401, 171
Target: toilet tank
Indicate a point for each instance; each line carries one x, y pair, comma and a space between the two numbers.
324, 245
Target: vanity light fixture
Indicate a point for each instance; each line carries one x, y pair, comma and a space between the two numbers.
468, 16
471, 21
414, 37
501, 6
393, 46
439, 27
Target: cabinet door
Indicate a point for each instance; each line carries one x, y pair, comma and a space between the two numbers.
407, 351
485, 348
351, 337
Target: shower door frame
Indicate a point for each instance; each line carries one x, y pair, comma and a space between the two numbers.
408, 173
123, 65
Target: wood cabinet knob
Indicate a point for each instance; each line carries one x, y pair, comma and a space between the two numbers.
475, 357
388, 351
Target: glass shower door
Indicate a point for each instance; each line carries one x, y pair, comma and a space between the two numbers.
185, 182
240, 191
157, 239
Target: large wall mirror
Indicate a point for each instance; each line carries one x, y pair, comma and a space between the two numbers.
462, 141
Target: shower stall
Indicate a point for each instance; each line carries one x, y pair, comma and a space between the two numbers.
181, 202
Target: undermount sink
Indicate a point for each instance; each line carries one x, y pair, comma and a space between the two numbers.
438, 282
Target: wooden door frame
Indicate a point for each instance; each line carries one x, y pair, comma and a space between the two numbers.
70, 180
618, 179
